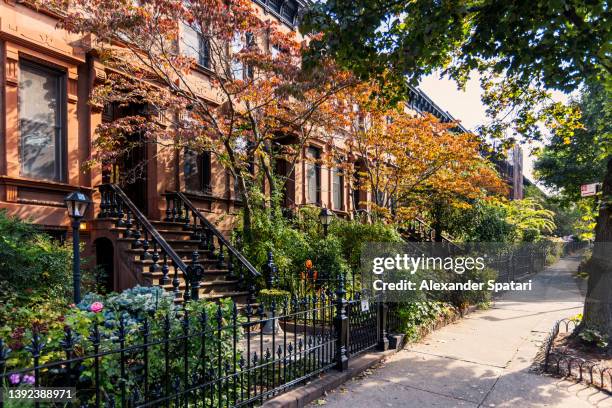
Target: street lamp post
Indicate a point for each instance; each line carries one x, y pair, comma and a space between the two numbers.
76, 204
325, 216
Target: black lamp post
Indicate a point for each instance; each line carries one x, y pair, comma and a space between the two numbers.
325, 216
77, 204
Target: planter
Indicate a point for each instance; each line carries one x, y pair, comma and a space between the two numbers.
272, 326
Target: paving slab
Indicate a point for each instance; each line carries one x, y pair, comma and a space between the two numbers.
373, 393
485, 359
449, 377
521, 389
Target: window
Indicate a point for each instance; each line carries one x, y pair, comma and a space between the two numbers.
197, 170
237, 67
313, 176
41, 116
250, 43
337, 188
276, 5
356, 189
196, 46
289, 11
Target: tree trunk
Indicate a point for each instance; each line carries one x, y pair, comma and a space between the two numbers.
598, 303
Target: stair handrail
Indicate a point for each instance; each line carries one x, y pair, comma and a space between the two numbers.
146, 224
188, 204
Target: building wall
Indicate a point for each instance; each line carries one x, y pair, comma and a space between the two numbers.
27, 34
30, 36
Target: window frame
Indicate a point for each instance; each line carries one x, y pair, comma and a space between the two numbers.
204, 49
337, 172
203, 171
317, 174
61, 117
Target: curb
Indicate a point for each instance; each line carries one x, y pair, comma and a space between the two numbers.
304, 395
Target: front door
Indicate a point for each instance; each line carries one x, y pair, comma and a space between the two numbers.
130, 169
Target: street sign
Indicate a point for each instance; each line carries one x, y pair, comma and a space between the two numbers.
587, 190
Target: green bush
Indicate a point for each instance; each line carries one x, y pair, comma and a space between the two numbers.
211, 327
277, 296
31, 263
413, 316
353, 235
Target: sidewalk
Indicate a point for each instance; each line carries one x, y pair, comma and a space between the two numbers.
484, 359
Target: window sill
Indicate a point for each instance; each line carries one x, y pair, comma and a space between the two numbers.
43, 184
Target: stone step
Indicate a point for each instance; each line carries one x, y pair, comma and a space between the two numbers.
184, 253
208, 286
169, 225
206, 263
167, 233
208, 275
174, 243
240, 297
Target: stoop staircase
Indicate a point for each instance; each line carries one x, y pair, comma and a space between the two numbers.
183, 253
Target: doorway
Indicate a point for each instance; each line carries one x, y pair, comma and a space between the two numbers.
104, 265
130, 169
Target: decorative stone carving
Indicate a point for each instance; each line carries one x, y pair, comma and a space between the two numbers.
12, 67
12, 194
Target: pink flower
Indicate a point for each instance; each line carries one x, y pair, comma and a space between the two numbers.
96, 307
14, 379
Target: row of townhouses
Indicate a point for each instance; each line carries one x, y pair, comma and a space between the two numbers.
46, 130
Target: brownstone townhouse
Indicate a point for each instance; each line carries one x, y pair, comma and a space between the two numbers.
155, 228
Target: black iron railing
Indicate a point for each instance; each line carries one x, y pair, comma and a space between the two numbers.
197, 353
180, 209
115, 204
363, 324
561, 361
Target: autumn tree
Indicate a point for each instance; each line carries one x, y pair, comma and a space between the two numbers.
221, 78
525, 49
409, 161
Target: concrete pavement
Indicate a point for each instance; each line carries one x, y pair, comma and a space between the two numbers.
483, 360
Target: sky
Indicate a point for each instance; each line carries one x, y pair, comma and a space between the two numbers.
466, 107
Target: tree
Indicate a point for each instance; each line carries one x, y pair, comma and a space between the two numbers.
567, 163
524, 48
560, 43
406, 157
253, 89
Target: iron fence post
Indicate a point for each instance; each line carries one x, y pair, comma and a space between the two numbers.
382, 314
341, 327
270, 271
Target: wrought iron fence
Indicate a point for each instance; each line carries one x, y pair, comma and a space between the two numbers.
515, 263
363, 324
560, 362
197, 354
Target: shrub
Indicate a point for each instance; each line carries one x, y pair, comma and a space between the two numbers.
413, 316
277, 296
353, 235
120, 319
593, 337
31, 263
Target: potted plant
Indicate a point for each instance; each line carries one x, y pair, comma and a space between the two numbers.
277, 297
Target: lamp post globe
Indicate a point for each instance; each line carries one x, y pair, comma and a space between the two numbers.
325, 216
76, 204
